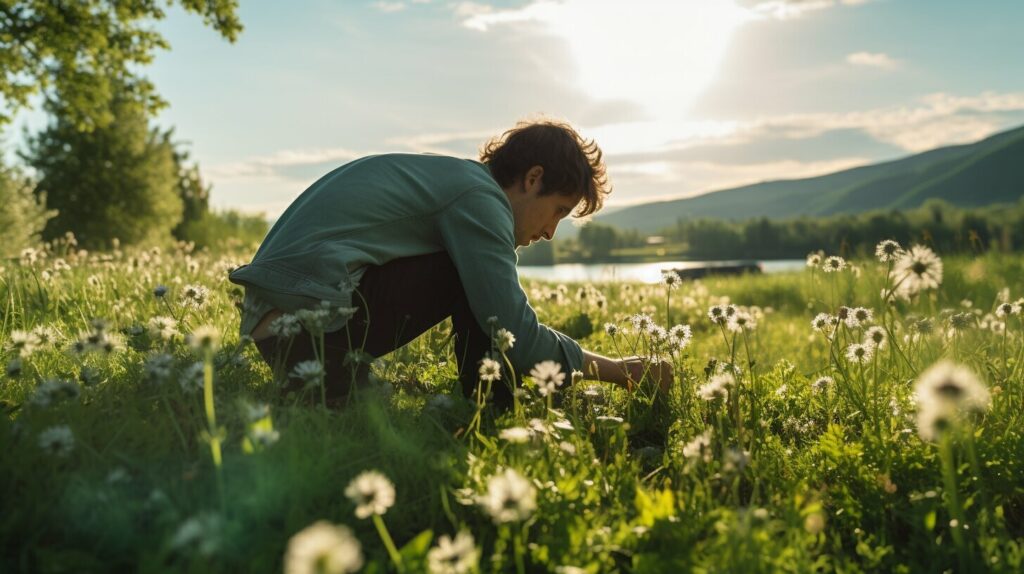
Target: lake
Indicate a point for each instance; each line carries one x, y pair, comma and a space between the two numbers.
643, 272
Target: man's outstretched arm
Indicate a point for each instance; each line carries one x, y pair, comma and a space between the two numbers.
627, 371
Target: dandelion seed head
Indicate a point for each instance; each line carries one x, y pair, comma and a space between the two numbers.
509, 497
204, 338
947, 382
833, 264
504, 340
516, 435
490, 370
57, 441
859, 353
372, 493
548, 376
453, 556
916, 270
323, 548
876, 337
311, 373
822, 384
888, 250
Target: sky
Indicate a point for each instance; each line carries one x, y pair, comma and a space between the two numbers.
684, 96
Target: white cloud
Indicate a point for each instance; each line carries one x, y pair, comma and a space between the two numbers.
274, 165
789, 9
872, 60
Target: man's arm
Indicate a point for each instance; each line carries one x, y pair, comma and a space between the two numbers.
625, 372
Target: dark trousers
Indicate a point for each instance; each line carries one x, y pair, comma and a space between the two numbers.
399, 301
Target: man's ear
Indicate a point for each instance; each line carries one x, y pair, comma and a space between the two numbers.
534, 178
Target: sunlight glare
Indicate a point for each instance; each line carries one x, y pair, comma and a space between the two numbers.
660, 54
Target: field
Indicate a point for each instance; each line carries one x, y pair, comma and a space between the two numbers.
139, 433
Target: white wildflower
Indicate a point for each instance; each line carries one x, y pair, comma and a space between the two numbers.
859, 353
458, 556
509, 498
204, 338
285, 327
548, 376
833, 263
516, 435
717, 387
323, 548
57, 440
504, 339
888, 250
309, 372
699, 448
916, 270
490, 370
164, 328
372, 493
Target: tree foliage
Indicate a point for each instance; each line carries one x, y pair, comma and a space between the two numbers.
80, 55
119, 181
22, 214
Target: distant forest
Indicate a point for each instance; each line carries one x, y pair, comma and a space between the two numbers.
939, 224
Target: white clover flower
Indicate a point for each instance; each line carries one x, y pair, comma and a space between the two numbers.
833, 263
876, 337
285, 327
57, 440
204, 338
717, 387
888, 250
192, 377
164, 328
916, 270
509, 498
859, 353
490, 370
458, 556
323, 548
516, 435
309, 372
372, 493
504, 339
548, 375
699, 448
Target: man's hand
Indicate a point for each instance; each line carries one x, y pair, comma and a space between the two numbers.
658, 372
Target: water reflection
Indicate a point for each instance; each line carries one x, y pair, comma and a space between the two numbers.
643, 272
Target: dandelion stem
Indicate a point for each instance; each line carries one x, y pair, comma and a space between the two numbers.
385, 537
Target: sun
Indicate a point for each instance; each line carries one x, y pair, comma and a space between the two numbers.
660, 54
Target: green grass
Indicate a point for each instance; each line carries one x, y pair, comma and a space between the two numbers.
792, 479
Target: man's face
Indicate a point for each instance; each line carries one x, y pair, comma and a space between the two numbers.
536, 216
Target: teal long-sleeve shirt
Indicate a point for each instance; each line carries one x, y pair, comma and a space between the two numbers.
385, 207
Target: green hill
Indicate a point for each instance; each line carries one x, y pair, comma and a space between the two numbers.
986, 172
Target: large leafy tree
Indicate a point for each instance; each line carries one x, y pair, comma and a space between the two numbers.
81, 54
116, 181
22, 213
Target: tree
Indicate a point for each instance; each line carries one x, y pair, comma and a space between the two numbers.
118, 181
22, 214
194, 194
598, 239
85, 53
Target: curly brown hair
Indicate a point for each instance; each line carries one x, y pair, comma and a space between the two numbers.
571, 164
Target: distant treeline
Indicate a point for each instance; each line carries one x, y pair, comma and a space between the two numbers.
943, 226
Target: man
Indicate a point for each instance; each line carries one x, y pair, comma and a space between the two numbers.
404, 241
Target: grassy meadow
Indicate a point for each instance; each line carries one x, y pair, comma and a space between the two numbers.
858, 416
